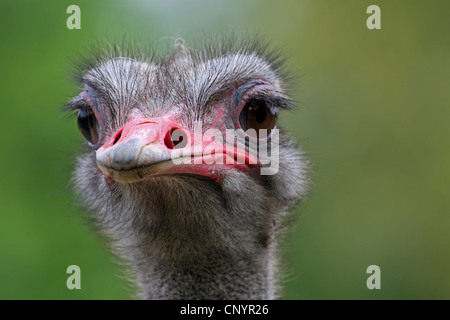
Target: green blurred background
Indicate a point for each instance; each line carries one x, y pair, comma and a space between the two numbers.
374, 118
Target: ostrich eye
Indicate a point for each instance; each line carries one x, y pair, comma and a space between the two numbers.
257, 115
88, 125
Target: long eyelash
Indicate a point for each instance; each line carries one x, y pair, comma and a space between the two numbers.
87, 99
274, 99
76, 104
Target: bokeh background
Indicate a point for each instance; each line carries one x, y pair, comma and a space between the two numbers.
373, 116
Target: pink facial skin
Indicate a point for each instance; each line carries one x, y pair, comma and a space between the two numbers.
151, 142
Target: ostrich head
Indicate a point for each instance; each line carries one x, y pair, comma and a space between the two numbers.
173, 169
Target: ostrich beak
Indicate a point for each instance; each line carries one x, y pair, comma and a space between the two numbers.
154, 146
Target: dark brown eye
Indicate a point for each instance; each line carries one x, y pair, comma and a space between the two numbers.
257, 115
88, 125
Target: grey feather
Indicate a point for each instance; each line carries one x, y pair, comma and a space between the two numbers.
186, 236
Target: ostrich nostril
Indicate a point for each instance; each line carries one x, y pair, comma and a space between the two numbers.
117, 137
175, 139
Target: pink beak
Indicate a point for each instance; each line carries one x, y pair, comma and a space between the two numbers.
153, 146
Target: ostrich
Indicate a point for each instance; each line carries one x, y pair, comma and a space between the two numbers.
209, 227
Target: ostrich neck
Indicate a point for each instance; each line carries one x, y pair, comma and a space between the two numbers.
206, 275
193, 250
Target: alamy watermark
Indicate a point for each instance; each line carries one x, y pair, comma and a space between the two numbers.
374, 280
74, 280
374, 20
74, 20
